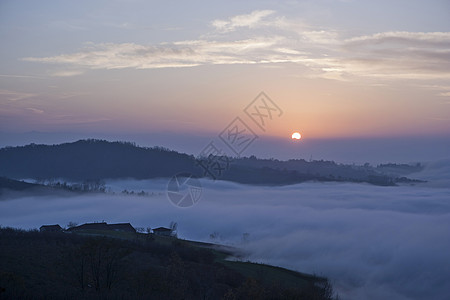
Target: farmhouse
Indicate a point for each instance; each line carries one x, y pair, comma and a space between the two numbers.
162, 231
125, 227
50, 228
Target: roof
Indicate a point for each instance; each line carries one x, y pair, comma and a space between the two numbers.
104, 226
162, 229
120, 226
51, 226
91, 226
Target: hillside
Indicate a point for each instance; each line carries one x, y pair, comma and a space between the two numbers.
36, 265
99, 159
91, 159
10, 188
16, 185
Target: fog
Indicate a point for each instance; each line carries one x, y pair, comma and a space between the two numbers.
371, 242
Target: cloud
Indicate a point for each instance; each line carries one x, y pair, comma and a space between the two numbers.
19, 76
250, 20
442, 90
321, 37
14, 96
66, 73
416, 55
404, 38
35, 110
262, 37
178, 54
372, 242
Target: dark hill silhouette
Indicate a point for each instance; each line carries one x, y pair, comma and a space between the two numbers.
128, 265
92, 159
100, 159
15, 185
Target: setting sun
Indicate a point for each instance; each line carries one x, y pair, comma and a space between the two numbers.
296, 136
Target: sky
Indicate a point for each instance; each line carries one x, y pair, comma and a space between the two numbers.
372, 242
176, 73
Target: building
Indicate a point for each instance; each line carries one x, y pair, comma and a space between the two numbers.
50, 228
124, 227
162, 231
121, 227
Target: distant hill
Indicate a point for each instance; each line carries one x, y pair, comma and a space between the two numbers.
15, 185
92, 159
100, 159
19, 187
7, 184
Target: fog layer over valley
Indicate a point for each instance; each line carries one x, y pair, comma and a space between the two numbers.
372, 242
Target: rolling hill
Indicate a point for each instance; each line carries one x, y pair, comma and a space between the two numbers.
100, 159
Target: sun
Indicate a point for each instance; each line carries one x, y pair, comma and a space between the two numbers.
296, 136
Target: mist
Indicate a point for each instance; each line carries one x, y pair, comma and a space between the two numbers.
372, 242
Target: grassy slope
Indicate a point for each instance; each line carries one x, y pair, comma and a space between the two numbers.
265, 273
37, 265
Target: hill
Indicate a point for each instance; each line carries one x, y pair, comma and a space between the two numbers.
16, 185
37, 265
11, 188
92, 159
98, 159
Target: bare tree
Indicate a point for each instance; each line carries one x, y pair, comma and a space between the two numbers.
215, 236
100, 262
174, 227
72, 224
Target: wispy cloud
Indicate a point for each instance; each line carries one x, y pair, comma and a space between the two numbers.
178, 54
271, 39
66, 73
416, 55
13, 95
403, 37
251, 20
35, 110
19, 76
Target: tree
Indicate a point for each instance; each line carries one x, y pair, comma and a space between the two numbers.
72, 224
173, 226
100, 262
215, 236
